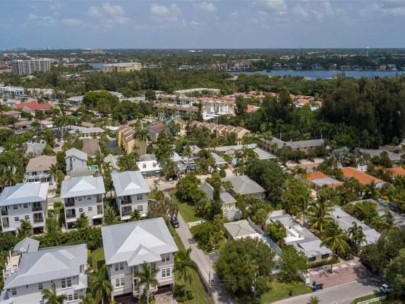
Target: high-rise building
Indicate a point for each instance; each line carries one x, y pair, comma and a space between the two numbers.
27, 67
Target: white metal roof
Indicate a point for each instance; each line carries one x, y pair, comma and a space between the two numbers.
24, 193
76, 153
129, 183
81, 186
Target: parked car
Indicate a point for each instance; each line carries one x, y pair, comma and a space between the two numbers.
174, 222
385, 288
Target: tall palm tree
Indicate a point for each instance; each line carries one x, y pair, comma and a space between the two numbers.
319, 215
101, 285
336, 239
356, 235
25, 228
52, 297
54, 171
9, 178
147, 278
184, 266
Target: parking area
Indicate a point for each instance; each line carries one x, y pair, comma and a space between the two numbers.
342, 273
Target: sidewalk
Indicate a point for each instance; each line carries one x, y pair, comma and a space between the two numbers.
204, 264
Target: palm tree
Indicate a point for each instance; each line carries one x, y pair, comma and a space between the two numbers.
54, 171
101, 285
319, 215
87, 299
25, 228
147, 277
388, 220
110, 216
336, 239
52, 297
356, 235
184, 266
9, 178
135, 215
313, 300
82, 222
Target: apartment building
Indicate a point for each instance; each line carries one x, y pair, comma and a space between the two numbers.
221, 130
122, 67
76, 160
128, 245
35, 270
127, 141
28, 67
83, 195
302, 145
38, 169
131, 192
25, 201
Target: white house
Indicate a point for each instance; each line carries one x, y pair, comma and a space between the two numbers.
83, 195
76, 160
38, 169
148, 165
27, 201
128, 245
37, 269
131, 192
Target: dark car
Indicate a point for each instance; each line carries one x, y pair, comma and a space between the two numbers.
175, 222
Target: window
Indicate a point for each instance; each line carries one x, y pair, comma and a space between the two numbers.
168, 272
139, 197
15, 207
25, 205
70, 298
13, 292
119, 282
90, 208
81, 210
75, 296
119, 266
66, 283
165, 257
16, 219
40, 286
163, 273
89, 197
140, 208
27, 217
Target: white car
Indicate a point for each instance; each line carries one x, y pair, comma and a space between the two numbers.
385, 288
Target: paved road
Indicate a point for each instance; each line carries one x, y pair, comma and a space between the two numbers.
343, 294
204, 264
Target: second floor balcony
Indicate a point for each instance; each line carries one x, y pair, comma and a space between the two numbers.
70, 202
4, 211
37, 207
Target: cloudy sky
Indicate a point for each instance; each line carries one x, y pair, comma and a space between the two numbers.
201, 23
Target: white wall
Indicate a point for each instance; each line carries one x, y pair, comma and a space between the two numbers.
73, 163
23, 212
135, 203
88, 205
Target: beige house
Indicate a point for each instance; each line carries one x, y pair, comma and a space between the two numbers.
38, 169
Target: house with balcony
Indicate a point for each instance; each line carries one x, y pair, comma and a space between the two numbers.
38, 169
76, 160
128, 245
36, 270
131, 192
25, 201
83, 195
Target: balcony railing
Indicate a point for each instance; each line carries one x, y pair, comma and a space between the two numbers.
70, 215
4, 212
69, 203
126, 202
38, 219
37, 208
125, 213
6, 225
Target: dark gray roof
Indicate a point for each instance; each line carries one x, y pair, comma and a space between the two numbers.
48, 264
24, 193
129, 183
137, 242
226, 198
244, 185
80, 186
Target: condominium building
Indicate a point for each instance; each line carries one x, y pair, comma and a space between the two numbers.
27, 67
128, 245
83, 195
122, 67
27, 201
132, 192
34, 270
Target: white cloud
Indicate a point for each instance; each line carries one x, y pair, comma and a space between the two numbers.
110, 14
166, 15
71, 22
273, 5
308, 10
234, 14
205, 6
40, 20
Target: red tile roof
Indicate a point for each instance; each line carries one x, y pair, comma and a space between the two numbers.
362, 177
316, 175
35, 106
398, 171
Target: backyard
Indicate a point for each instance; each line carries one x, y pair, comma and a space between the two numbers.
279, 290
187, 211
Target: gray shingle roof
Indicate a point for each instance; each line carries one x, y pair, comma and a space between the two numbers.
244, 185
48, 264
76, 153
129, 183
218, 159
240, 229
24, 193
137, 242
226, 198
84, 185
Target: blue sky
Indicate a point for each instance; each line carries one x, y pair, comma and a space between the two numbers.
201, 23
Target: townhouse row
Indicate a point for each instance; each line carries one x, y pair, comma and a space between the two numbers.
80, 195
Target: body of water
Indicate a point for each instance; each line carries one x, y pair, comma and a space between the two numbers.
97, 66
326, 74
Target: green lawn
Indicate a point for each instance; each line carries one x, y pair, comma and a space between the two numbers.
97, 258
196, 286
279, 290
187, 211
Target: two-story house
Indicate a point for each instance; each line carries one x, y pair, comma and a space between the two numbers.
243, 185
83, 195
128, 245
39, 269
27, 201
76, 160
131, 192
38, 169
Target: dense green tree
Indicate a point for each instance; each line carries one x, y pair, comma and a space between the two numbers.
319, 215
293, 263
185, 267
25, 228
100, 285
51, 296
276, 231
395, 274
356, 236
110, 216
82, 222
188, 189
336, 239
147, 278
296, 197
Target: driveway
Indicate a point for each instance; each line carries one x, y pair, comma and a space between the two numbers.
204, 263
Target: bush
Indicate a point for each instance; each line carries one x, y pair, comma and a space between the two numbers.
190, 295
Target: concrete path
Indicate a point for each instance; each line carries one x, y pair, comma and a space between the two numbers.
343, 294
204, 264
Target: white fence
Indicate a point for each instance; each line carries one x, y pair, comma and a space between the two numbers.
373, 300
